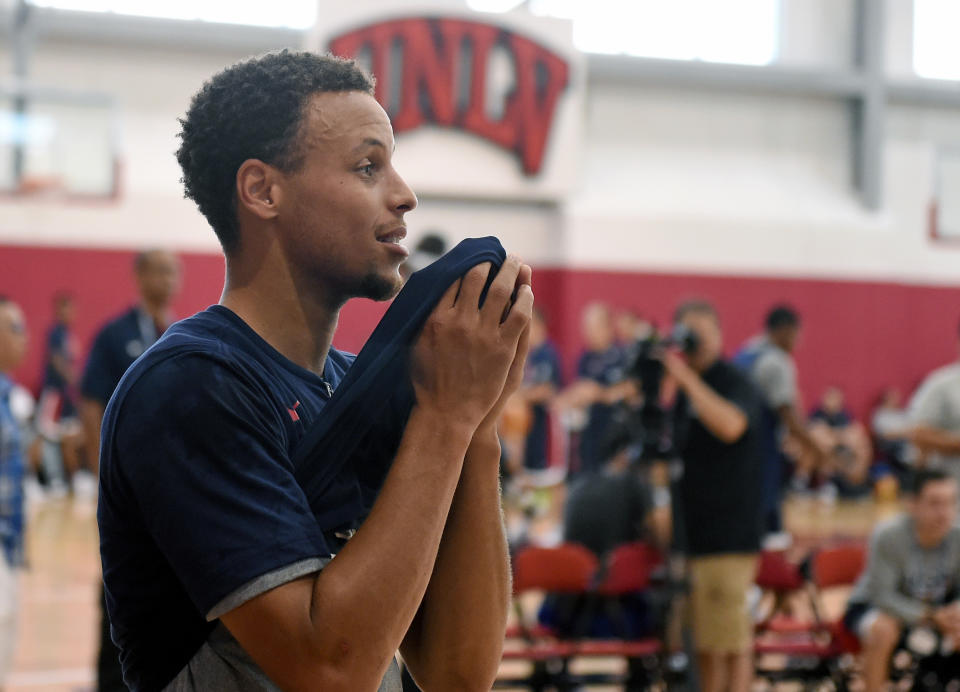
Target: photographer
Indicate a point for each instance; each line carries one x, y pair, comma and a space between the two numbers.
716, 427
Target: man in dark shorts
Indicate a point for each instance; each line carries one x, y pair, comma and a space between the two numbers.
912, 577
218, 576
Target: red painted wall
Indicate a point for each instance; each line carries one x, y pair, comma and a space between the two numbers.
861, 335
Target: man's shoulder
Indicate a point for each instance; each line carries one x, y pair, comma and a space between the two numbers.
194, 354
773, 356
119, 323
946, 374
731, 378
893, 531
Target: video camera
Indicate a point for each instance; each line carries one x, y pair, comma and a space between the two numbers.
648, 425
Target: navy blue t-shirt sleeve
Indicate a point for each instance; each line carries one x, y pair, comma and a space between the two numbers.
556, 376
584, 371
99, 378
202, 453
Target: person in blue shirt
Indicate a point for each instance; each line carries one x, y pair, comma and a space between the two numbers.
218, 575
13, 348
541, 381
57, 417
59, 373
600, 384
116, 346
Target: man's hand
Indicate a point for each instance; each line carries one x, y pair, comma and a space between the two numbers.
947, 620
515, 375
722, 418
464, 355
678, 368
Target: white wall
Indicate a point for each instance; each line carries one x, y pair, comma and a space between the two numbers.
670, 179
677, 180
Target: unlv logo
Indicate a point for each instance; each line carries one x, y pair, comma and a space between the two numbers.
443, 79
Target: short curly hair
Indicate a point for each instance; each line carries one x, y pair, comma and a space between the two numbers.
253, 110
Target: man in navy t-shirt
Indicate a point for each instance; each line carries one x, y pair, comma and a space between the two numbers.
542, 378
217, 572
600, 384
116, 346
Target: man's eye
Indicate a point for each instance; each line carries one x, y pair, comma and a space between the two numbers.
366, 169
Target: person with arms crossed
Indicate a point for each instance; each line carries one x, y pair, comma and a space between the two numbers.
717, 430
217, 573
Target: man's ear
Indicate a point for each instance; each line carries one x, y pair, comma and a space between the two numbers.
257, 188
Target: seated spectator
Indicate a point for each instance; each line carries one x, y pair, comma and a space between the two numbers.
912, 576
605, 510
844, 444
890, 426
613, 507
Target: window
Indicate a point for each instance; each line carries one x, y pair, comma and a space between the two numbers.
936, 52
292, 14
733, 31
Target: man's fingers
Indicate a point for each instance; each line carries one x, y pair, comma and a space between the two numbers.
450, 295
520, 313
472, 285
501, 290
525, 276
523, 346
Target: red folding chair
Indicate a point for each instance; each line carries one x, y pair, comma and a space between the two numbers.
565, 569
781, 582
628, 571
817, 652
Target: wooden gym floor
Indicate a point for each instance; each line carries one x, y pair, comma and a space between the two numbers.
58, 621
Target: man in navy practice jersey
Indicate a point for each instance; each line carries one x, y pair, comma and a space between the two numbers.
218, 575
116, 346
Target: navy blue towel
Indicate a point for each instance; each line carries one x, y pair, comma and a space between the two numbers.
342, 461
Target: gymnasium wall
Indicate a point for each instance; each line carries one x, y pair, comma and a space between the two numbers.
743, 198
861, 335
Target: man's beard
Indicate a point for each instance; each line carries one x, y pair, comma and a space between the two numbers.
377, 287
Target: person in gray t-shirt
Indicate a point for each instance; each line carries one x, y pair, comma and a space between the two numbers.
768, 359
912, 576
935, 416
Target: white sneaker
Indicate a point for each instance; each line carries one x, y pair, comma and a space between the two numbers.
84, 485
827, 494
777, 541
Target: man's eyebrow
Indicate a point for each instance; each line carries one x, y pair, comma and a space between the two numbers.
373, 142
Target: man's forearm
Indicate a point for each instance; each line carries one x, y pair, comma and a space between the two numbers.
457, 639
930, 439
722, 418
361, 605
91, 417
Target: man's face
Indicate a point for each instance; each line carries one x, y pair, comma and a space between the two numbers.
833, 400
13, 337
597, 327
158, 278
787, 338
64, 311
342, 215
935, 509
709, 338
538, 330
